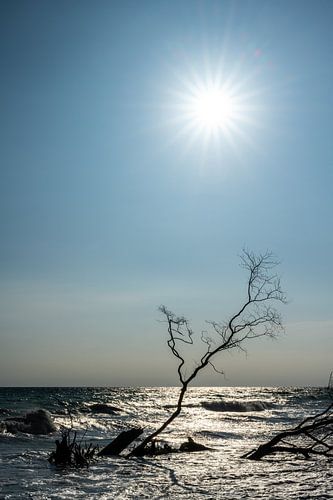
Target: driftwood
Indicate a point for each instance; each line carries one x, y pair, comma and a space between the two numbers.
313, 436
121, 442
155, 448
69, 452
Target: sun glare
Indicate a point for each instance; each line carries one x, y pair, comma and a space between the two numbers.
214, 108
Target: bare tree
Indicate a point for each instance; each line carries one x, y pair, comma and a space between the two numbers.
256, 317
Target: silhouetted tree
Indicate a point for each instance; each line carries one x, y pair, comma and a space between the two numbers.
256, 317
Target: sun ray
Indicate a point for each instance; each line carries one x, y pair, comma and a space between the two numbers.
215, 106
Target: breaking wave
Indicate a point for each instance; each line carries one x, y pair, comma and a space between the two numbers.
236, 406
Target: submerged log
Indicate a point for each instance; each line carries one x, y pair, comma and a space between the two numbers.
121, 442
191, 445
104, 408
155, 448
63, 452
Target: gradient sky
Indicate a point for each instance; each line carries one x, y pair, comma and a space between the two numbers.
112, 203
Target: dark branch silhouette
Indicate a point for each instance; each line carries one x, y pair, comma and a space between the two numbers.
69, 452
256, 317
313, 436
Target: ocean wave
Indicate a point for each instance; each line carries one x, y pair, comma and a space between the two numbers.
184, 405
305, 394
220, 435
34, 422
236, 406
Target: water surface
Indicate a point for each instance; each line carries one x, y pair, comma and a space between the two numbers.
218, 474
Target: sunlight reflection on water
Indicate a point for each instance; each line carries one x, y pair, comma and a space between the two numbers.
216, 474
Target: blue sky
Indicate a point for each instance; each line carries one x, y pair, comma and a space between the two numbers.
113, 202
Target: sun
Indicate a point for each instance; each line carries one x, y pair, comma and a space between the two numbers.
215, 112
212, 111
213, 108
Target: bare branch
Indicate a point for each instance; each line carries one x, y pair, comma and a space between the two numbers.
220, 372
313, 436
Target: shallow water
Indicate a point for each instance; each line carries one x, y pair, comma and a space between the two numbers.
218, 474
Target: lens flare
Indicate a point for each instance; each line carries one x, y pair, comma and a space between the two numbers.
214, 108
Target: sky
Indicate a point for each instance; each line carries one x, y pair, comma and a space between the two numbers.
119, 194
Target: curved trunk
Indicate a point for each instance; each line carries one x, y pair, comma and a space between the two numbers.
139, 450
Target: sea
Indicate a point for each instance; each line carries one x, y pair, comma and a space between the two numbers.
229, 420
